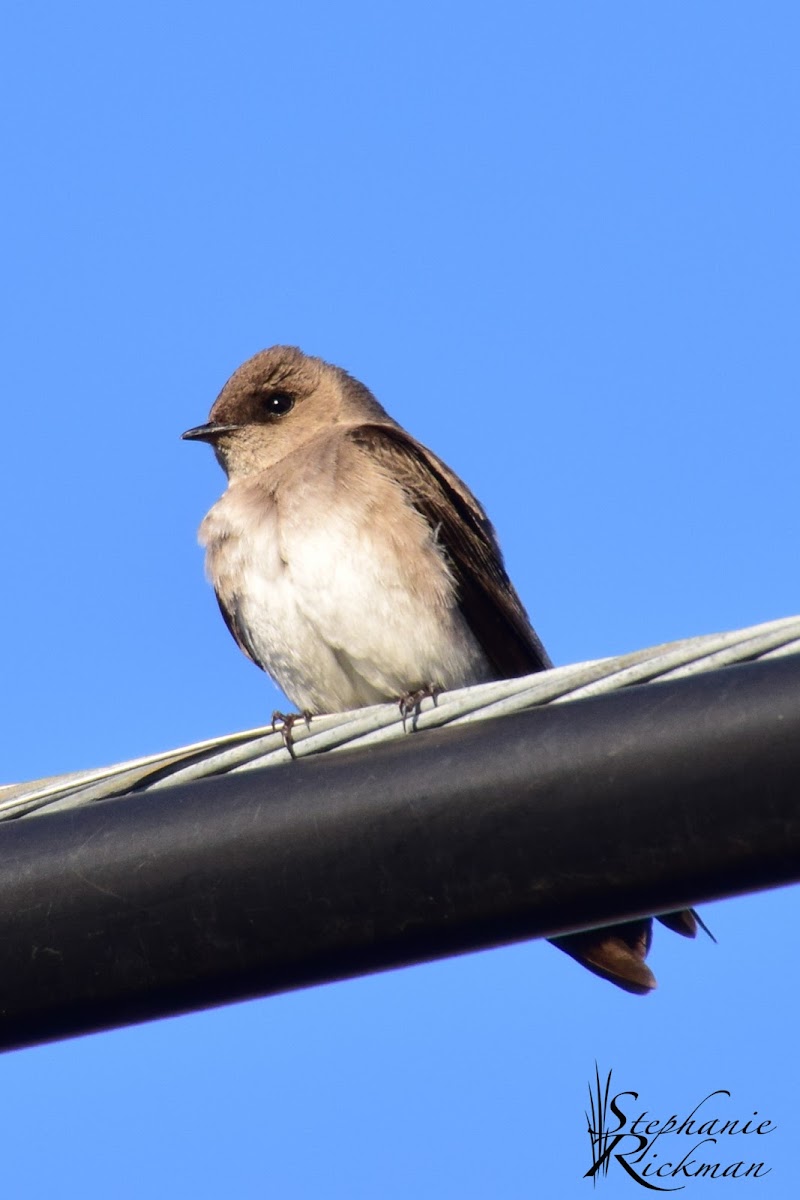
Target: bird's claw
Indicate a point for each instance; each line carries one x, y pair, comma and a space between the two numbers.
410, 703
284, 723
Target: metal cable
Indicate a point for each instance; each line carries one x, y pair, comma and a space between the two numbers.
368, 726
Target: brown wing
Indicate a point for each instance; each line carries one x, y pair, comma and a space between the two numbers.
236, 628
487, 598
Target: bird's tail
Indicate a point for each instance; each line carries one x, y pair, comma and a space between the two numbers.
618, 953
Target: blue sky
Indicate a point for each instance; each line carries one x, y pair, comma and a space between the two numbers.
560, 244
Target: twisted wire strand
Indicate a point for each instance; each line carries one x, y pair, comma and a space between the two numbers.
368, 726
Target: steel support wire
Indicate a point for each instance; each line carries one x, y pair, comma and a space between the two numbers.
449, 840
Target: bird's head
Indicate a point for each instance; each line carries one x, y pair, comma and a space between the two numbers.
277, 401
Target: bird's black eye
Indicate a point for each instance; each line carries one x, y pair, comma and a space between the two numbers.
278, 403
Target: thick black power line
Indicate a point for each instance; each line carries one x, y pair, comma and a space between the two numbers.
572, 815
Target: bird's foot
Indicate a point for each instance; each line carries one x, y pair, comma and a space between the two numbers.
284, 723
410, 703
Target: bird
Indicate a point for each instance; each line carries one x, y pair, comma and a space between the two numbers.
354, 567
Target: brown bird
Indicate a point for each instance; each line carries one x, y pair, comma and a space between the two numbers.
354, 567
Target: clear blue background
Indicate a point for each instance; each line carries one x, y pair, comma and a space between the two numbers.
560, 243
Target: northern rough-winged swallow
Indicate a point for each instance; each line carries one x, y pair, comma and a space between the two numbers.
354, 567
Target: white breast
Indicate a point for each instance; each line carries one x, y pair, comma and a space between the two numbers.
344, 595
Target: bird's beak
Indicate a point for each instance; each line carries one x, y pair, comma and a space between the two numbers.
207, 433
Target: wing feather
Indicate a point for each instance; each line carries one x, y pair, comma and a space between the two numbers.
488, 600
